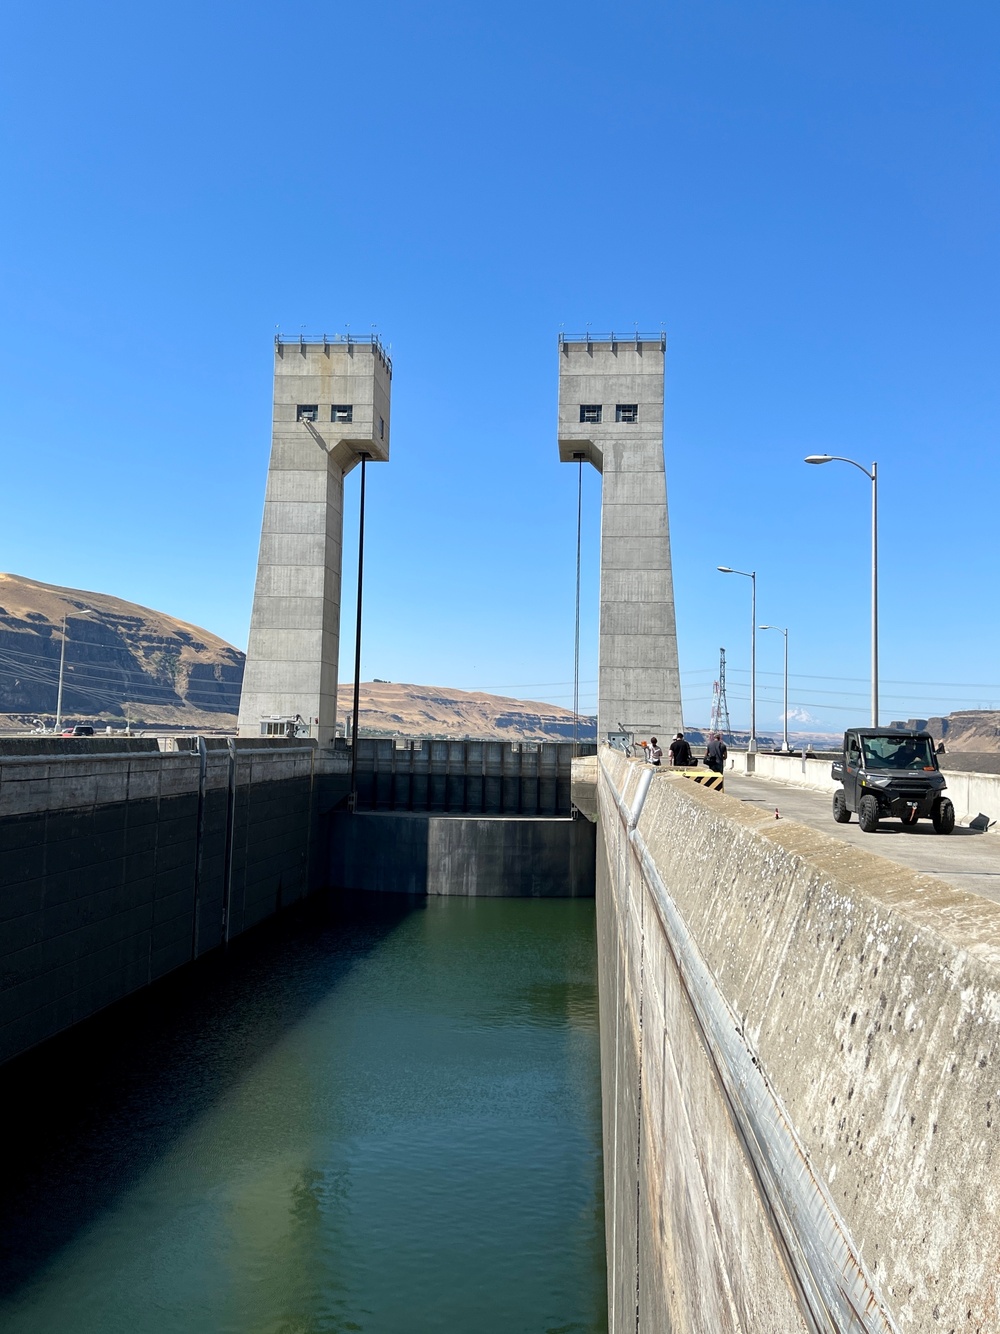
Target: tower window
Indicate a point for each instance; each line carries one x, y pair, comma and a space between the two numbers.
342, 412
381, 428
306, 412
626, 412
590, 412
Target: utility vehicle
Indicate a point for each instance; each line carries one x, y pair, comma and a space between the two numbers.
890, 771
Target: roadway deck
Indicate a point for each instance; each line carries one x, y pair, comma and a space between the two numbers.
966, 858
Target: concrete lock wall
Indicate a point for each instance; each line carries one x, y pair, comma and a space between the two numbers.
473, 856
800, 1071
120, 863
487, 777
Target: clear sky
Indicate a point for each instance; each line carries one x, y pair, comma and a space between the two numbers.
804, 195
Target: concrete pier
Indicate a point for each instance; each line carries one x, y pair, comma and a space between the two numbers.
611, 416
331, 406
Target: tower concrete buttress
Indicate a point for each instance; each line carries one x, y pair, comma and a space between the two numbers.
331, 406
611, 415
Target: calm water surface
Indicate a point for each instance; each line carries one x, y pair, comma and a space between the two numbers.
388, 1122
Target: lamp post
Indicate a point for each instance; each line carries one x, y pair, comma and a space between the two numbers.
87, 611
752, 576
873, 478
784, 743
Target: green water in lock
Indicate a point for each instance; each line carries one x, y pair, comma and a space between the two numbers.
387, 1122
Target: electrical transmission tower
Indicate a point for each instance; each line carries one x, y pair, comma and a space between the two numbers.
720, 705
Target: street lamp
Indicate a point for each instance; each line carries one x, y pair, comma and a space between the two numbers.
784, 744
752, 576
86, 611
873, 478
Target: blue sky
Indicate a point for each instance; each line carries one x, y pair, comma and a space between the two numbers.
803, 194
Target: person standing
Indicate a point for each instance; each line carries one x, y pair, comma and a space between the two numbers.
680, 752
655, 752
716, 753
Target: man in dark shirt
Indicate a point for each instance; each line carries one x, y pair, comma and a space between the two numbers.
680, 752
716, 752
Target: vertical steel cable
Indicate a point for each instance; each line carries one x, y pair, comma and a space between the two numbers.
576, 638
357, 642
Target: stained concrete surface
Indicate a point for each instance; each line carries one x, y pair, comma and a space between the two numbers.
865, 995
965, 858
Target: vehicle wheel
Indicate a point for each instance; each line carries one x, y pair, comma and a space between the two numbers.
943, 816
868, 814
910, 818
840, 811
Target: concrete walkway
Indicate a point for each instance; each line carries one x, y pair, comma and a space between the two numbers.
967, 859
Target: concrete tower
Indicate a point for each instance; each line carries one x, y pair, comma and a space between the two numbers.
331, 406
611, 415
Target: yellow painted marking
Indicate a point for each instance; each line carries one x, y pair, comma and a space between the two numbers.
706, 777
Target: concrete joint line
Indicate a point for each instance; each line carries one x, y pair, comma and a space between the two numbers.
836, 1293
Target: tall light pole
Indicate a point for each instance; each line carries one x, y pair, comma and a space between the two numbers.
87, 611
873, 478
752, 576
784, 744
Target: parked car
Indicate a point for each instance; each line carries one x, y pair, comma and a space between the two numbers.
81, 729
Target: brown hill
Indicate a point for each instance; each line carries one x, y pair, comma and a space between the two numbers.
127, 661
388, 709
121, 660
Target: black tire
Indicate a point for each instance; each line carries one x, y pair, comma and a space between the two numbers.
868, 814
943, 816
910, 818
841, 813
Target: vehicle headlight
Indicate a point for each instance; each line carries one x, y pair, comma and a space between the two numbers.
878, 780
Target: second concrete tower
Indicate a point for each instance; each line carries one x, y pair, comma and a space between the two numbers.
611, 415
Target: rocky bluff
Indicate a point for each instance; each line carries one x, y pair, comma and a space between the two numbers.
122, 660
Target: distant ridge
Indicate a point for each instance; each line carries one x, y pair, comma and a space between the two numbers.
127, 661
121, 661
390, 709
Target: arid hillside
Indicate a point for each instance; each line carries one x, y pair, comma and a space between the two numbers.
122, 660
388, 709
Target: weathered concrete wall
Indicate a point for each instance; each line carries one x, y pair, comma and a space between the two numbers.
119, 863
800, 1066
490, 857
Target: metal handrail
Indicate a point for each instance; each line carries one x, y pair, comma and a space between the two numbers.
635, 336
328, 340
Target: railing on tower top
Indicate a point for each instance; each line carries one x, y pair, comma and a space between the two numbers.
330, 340
636, 336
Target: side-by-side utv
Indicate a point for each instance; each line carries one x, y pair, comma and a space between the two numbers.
890, 772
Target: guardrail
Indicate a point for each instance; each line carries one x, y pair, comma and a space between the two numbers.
636, 336
332, 340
